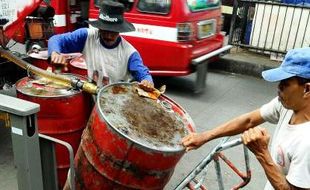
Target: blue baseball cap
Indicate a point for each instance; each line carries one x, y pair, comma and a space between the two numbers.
296, 63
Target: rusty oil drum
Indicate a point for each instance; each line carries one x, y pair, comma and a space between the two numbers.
63, 114
121, 149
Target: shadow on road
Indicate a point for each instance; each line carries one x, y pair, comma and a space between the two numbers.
177, 85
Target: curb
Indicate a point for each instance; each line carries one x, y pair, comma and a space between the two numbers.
240, 67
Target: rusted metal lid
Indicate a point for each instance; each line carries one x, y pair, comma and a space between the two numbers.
156, 124
42, 87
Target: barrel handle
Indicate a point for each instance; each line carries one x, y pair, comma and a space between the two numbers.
166, 106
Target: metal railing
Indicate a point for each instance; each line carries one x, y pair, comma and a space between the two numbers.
270, 26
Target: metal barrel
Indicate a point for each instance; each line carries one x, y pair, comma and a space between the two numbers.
39, 58
78, 66
71, 82
114, 156
63, 115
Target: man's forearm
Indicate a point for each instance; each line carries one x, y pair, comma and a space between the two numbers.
236, 126
273, 172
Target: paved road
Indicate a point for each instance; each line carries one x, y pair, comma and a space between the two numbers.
226, 96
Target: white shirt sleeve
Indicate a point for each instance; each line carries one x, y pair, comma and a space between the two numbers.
271, 111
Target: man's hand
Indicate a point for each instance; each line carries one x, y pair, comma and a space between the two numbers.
193, 141
146, 85
59, 59
256, 139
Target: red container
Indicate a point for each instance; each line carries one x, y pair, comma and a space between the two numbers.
78, 66
112, 156
39, 58
63, 114
76, 62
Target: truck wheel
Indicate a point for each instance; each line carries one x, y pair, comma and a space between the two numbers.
30, 45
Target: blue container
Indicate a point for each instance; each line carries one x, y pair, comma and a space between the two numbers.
248, 30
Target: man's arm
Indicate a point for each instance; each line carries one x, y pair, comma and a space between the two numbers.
140, 72
70, 42
257, 140
230, 128
273, 173
137, 69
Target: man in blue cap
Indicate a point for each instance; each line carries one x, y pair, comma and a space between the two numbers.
109, 57
287, 163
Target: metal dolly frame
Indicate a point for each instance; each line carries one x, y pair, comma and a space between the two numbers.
192, 183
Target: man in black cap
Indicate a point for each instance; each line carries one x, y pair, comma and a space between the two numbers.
287, 161
109, 57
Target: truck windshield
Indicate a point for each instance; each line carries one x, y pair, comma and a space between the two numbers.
198, 5
154, 6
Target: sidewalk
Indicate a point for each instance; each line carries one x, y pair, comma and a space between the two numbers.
245, 62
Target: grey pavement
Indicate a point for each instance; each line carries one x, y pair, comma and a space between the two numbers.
227, 95
245, 62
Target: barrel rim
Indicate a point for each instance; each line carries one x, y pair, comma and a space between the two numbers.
72, 63
73, 92
170, 150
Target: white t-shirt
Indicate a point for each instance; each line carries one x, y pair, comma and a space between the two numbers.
107, 65
290, 145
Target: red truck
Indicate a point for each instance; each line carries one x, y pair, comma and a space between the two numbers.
174, 38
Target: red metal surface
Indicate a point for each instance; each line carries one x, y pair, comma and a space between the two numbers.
245, 176
62, 117
175, 58
61, 12
108, 159
41, 63
39, 58
15, 28
166, 57
78, 66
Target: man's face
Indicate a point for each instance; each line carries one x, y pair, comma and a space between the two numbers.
109, 38
291, 93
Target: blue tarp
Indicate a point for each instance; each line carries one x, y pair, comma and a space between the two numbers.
305, 3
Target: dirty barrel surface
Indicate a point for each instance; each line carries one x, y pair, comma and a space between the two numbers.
130, 142
63, 114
